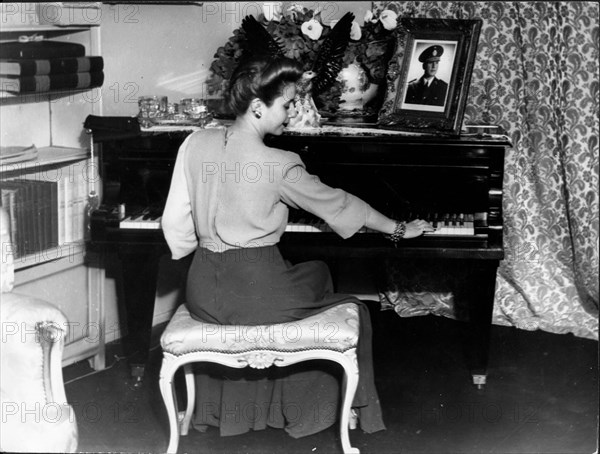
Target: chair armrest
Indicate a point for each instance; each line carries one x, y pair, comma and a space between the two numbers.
33, 333
38, 417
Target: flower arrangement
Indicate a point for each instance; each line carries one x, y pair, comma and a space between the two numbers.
373, 44
302, 31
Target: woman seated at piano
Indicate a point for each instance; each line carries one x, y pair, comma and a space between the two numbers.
228, 205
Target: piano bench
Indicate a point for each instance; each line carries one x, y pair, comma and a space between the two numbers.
186, 341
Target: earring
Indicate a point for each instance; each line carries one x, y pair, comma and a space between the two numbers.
257, 113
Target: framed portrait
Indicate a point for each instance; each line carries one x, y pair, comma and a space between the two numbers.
429, 75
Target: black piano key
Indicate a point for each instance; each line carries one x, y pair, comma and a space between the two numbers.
135, 213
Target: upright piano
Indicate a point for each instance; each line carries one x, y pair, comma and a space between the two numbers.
453, 182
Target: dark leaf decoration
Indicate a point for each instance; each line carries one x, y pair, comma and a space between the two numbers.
371, 51
259, 40
329, 60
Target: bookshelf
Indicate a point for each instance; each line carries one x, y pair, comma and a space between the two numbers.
55, 265
83, 34
46, 199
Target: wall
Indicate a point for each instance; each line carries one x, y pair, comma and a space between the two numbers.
157, 50
167, 49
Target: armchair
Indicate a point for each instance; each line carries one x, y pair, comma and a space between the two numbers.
35, 414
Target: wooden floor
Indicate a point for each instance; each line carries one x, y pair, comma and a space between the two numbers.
541, 397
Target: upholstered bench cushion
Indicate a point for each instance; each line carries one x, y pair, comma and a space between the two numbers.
333, 329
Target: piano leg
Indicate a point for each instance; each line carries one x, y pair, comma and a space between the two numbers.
478, 291
139, 273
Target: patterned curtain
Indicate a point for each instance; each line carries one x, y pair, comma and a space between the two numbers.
536, 75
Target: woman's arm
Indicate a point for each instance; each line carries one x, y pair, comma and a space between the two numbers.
385, 225
344, 212
177, 222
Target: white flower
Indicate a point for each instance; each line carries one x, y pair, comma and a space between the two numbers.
294, 10
312, 29
273, 10
355, 31
369, 17
389, 19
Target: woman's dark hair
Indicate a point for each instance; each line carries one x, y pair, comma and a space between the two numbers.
260, 77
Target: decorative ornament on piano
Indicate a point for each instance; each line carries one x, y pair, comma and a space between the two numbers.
157, 111
335, 51
366, 60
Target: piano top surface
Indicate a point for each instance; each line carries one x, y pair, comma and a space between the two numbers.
334, 133
331, 133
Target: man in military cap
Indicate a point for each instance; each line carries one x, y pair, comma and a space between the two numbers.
428, 89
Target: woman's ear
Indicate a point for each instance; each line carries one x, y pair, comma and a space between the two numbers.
256, 106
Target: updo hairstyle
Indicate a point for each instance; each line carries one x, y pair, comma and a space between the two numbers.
260, 77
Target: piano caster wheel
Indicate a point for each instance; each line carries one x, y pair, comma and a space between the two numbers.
137, 375
479, 381
137, 382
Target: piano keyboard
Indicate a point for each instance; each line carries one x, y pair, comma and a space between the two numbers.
448, 225
143, 220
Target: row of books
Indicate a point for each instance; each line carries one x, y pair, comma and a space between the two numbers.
44, 213
40, 66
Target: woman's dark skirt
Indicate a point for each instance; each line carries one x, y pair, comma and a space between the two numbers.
257, 286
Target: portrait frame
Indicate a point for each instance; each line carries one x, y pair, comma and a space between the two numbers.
409, 106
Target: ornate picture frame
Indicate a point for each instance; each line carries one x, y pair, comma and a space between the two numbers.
429, 75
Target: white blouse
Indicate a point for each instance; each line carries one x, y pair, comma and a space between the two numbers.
235, 193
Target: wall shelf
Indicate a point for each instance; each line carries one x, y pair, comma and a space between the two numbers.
47, 193
39, 96
68, 29
46, 156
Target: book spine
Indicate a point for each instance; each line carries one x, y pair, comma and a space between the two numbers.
68, 208
53, 214
46, 215
77, 208
15, 204
41, 50
20, 224
81, 64
21, 68
9, 203
61, 207
39, 236
30, 223
36, 84
40, 67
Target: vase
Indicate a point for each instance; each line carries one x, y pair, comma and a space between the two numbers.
357, 90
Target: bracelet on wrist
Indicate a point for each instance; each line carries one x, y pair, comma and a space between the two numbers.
399, 231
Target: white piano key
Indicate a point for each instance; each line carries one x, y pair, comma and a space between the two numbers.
140, 223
